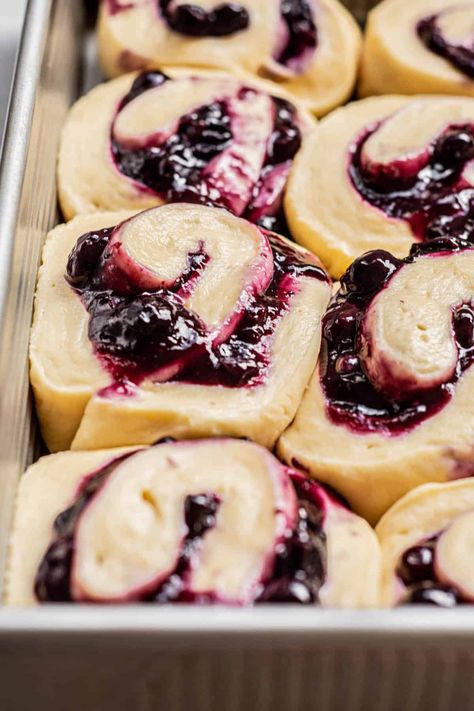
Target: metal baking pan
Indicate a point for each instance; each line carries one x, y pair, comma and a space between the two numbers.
172, 658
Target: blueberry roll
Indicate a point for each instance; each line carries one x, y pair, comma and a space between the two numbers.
203, 521
310, 47
205, 138
426, 540
422, 47
391, 404
182, 320
383, 173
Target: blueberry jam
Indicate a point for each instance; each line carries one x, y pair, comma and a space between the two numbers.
52, 582
351, 399
416, 570
301, 32
300, 564
223, 20
174, 167
137, 334
299, 570
434, 200
460, 56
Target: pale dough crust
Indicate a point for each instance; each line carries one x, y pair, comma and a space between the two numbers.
372, 471
420, 514
88, 180
49, 486
395, 60
65, 375
325, 212
46, 489
137, 39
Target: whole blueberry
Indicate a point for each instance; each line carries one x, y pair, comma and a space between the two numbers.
417, 564
85, 256
190, 20
228, 18
368, 273
454, 148
431, 593
464, 326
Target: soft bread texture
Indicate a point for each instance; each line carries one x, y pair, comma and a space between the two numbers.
66, 376
395, 60
88, 180
420, 514
372, 470
50, 485
325, 212
137, 39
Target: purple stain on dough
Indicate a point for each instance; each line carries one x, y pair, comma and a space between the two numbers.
300, 36
460, 56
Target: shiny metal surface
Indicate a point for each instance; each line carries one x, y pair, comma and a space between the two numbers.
152, 657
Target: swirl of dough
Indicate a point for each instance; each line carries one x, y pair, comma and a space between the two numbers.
203, 521
200, 137
309, 47
426, 540
174, 307
381, 173
422, 47
390, 406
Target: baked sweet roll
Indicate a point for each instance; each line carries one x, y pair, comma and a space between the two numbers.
391, 405
382, 173
426, 540
182, 320
422, 47
205, 138
203, 521
310, 47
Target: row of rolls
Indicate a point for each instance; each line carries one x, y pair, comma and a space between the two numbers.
312, 48
252, 341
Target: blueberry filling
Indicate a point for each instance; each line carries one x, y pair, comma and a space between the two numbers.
416, 570
53, 579
52, 582
351, 399
435, 200
187, 19
174, 168
298, 574
300, 564
460, 56
136, 333
297, 16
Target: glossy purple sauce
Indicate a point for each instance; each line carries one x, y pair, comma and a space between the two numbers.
301, 33
175, 168
136, 334
351, 399
461, 56
435, 199
188, 19
416, 570
300, 563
